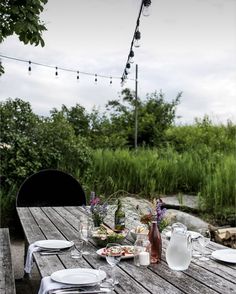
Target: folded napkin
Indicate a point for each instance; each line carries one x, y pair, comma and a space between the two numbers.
48, 284
29, 258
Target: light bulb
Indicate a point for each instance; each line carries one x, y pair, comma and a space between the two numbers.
137, 37
136, 43
131, 57
29, 69
56, 73
146, 11
131, 60
146, 7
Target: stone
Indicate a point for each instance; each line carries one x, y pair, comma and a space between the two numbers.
130, 204
190, 221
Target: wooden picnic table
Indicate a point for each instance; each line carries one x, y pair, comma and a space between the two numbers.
7, 281
208, 277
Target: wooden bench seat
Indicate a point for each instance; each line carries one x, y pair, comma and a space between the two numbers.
7, 281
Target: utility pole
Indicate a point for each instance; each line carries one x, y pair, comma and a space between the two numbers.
136, 109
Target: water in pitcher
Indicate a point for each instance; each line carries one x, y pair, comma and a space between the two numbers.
179, 251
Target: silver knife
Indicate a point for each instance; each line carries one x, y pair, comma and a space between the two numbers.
73, 291
105, 290
52, 252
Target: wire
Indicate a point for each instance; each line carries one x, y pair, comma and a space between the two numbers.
124, 76
60, 68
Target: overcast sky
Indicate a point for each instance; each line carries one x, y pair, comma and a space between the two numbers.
186, 45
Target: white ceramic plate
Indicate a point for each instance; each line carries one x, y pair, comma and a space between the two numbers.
193, 234
78, 276
54, 244
126, 256
227, 255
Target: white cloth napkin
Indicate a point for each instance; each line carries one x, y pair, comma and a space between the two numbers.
29, 258
48, 284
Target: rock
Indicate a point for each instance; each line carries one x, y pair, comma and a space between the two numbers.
190, 221
181, 200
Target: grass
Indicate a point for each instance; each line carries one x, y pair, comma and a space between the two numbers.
153, 172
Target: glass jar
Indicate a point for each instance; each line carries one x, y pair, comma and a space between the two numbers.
142, 250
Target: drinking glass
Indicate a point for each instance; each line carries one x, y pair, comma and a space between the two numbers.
85, 232
76, 251
113, 257
108, 282
204, 240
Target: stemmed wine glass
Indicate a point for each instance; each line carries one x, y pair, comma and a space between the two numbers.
204, 239
113, 257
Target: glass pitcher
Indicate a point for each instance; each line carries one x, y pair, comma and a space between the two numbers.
179, 250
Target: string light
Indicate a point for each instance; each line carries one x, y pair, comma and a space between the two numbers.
131, 57
145, 8
137, 37
29, 68
56, 72
61, 68
128, 67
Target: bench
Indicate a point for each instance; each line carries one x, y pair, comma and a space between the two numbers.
7, 281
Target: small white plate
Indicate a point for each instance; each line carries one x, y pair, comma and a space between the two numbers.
193, 234
78, 276
54, 244
226, 255
126, 256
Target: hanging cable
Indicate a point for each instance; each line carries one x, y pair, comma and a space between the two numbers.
59, 68
145, 6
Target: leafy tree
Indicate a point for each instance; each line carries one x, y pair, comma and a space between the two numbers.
18, 155
155, 115
77, 117
30, 143
102, 133
22, 18
203, 135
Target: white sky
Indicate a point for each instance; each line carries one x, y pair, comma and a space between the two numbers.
186, 45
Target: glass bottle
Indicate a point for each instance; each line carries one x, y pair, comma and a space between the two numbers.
92, 196
155, 240
119, 217
142, 250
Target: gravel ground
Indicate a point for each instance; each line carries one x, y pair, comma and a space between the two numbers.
23, 285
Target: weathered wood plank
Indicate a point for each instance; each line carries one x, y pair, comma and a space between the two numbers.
62, 223
209, 274
7, 282
91, 260
30, 227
